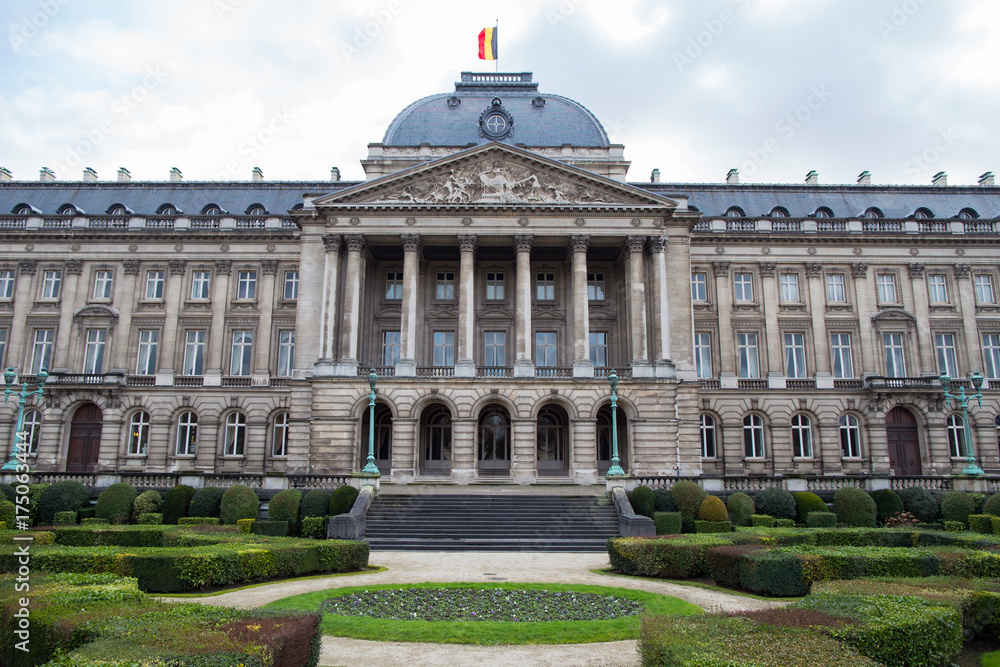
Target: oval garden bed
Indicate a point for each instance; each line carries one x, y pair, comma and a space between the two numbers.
468, 613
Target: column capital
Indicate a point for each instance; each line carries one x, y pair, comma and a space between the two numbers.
916, 270
859, 270
131, 267
658, 244
720, 269
223, 266
74, 267
962, 270
411, 242
269, 266
355, 242
468, 242
579, 242
635, 244
177, 267
814, 269
332, 242
768, 269
523, 242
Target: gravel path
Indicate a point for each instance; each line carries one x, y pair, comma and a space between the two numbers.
406, 567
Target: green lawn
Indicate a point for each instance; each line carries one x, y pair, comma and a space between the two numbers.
488, 632
991, 659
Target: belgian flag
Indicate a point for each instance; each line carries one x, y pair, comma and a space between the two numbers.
488, 44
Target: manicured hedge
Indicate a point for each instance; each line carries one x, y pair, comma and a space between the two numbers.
64, 518
285, 507
920, 503
713, 509
854, 507
775, 502
106, 535
150, 519
643, 501
314, 527
957, 506
8, 512
270, 528
671, 558
762, 521
688, 498
667, 523
176, 503
741, 509
60, 497
821, 520
147, 502
315, 503
992, 505
663, 501
701, 526
342, 500
245, 525
7, 492
114, 505
887, 504
198, 521
239, 502
206, 501
806, 502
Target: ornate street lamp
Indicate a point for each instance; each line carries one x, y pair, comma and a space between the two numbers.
370, 468
615, 470
9, 379
963, 400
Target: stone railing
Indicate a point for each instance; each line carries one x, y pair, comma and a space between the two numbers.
823, 485
310, 482
749, 485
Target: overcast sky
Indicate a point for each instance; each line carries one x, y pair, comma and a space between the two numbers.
903, 89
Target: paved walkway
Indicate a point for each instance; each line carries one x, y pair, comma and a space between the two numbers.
417, 567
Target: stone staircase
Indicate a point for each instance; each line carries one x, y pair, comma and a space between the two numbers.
443, 522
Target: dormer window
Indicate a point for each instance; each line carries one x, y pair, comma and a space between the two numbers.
167, 209
68, 209
735, 212
779, 212
118, 210
22, 209
873, 214
968, 214
257, 210
923, 214
823, 212
212, 209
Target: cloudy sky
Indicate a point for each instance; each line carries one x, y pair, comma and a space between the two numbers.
903, 88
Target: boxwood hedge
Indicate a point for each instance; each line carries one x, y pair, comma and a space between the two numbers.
206, 501
60, 497
239, 502
114, 505
176, 503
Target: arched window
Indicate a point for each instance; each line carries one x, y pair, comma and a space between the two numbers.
873, 213
956, 436
823, 212
694, 209
187, 434
735, 212
437, 439
779, 212
968, 214
923, 214
68, 209
850, 437
236, 434
167, 209
118, 210
138, 433
279, 435
753, 437
605, 442
708, 450
802, 444
31, 429
256, 209
494, 440
211, 209
22, 209
552, 441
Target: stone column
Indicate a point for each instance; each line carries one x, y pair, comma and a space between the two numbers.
20, 343
61, 359
262, 344
637, 307
923, 340
327, 325
524, 366
125, 299
173, 299
582, 367
407, 365
348, 365
772, 343
220, 301
863, 351
727, 338
662, 354
821, 339
966, 298
465, 365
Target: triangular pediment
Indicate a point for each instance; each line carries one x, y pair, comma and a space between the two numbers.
495, 175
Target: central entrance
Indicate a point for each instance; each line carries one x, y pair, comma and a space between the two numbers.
84, 439
494, 441
552, 440
903, 439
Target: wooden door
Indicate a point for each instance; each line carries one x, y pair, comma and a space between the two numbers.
903, 439
84, 439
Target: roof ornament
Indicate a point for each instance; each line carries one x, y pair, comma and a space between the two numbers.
496, 123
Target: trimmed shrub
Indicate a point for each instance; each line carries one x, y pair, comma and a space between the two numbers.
34, 492
245, 525
239, 502
957, 506
713, 509
643, 501
854, 507
198, 521
992, 505
3, 525
67, 518
663, 501
702, 526
285, 507
784, 523
60, 497
342, 500
954, 527
920, 503
147, 502
176, 503
775, 502
86, 513
314, 527
115, 503
982, 523
206, 501
270, 528
7, 492
723, 563
821, 520
887, 504
107, 535
770, 573
8, 512
151, 519
762, 521
688, 497
672, 558
806, 502
741, 508
667, 523
315, 503
91, 520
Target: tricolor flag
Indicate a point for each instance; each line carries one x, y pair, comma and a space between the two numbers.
488, 44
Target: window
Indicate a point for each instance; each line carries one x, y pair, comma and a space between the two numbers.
802, 444
753, 437
138, 434
6, 284
843, 363
746, 344
145, 363
256, 209
707, 437
699, 287
895, 365
240, 363
41, 350
187, 434
599, 349
154, 285
937, 289
779, 212
291, 285
947, 361
743, 284
286, 353
545, 287
445, 287
50, 284
991, 351
545, 349
595, 287
703, 354
735, 212
923, 214
236, 434
246, 285
795, 355
967, 214
93, 357
873, 214
835, 292
984, 289
393, 286
823, 212
850, 437
789, 288
444, 348
194, 353
956, 436
200, 283
102, 284
31, 430
391, 347
886, 288
494, 286
279, 435
495, 348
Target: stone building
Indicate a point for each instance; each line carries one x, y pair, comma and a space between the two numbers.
493, 269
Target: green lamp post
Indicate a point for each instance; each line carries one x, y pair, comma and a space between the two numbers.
615, 470
370, 467
9, 379
963, 400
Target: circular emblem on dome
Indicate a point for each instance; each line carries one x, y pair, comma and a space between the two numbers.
495, 122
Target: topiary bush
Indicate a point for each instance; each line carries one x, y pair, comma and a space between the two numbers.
702, 526
920, 503
8, 492
150, 519
643, 501
821, 520
114, 505
688, 497
149, 502
775, 502
784, 523
206, 502
285, 507
67, 518
269, 528
854, 507
741, 508
957, 506
667, 523
954, 527
239, 502
34, 493
713, 509
342, 500
762, 521
887, 504
8, 512
176, 503
61, 497
315, 503
992, 505
663, 501
314, 527
806, 502
980, 523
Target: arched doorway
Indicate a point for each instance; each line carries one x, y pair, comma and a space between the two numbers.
494, 441
903, 439
552, 441
435, 427
383, 438
604, 441
84, 439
